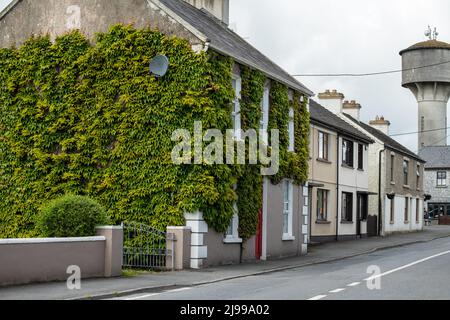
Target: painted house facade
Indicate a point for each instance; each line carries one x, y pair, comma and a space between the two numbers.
338, 177
437, 179
396, 175
283, 222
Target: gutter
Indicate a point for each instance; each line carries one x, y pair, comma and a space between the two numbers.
8, 8
380, 222
337, 185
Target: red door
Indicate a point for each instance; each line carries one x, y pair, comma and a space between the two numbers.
258, 249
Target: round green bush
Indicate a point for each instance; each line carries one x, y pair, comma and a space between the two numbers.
71, 216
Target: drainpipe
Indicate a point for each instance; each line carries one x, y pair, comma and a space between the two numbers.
380, 223
338, 147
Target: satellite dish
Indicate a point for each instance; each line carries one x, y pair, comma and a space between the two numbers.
159, 66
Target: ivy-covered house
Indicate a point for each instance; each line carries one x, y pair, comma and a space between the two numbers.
81, 113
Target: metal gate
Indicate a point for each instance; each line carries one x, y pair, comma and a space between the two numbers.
145, 247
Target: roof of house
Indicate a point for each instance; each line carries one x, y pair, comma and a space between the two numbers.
388, 141
227, 42
437, 157
222, 40
323, 117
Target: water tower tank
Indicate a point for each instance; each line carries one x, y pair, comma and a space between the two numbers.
426, 72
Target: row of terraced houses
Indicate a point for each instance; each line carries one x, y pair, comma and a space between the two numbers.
361, 182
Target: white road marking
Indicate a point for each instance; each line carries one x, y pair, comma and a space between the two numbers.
354, 284
142, 297
155, 294
317, 298
178, 290
337, 290
406, 266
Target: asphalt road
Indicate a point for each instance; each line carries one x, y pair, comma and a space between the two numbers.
412, 272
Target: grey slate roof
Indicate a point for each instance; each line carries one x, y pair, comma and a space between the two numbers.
436, 157
388, 141
323, 117
223, 40
227, 42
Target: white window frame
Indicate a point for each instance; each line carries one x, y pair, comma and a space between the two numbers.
236, 112
288, 210
264, 123
291, 130
232, 234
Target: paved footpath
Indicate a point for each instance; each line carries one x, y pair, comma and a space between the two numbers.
157, 282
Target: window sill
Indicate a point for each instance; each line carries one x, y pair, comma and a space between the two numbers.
392, 183
323, 222
392, 223
232, 240
323, 161
344, 165
406, 187
346, 222
406, 222
287, 237
441, 187
361, 170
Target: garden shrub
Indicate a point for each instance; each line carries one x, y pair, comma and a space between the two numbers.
71, 216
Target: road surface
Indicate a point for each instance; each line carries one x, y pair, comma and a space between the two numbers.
418, 271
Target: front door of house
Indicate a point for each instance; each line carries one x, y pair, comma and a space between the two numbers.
359, 209
259, 236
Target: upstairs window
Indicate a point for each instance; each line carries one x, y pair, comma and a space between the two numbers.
418, 177
264, 124
236, 112
392, 168
323, 146
291, 129
442, 179
360, 157
347, 153
405, 172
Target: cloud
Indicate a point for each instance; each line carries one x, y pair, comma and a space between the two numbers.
328, 36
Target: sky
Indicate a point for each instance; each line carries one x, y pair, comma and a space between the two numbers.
345, 36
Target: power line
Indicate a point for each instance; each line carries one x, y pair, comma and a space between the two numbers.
367, 74
416, 132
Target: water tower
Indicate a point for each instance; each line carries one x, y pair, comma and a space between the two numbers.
426, 72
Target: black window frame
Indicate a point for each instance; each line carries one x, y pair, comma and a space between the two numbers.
347, 207
392, 167
360, 156
348, 153
363, 203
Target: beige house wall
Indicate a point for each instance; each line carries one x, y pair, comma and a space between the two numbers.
325, 173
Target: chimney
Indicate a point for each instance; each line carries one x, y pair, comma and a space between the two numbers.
352, 108
381, 124
218, 8
332, 100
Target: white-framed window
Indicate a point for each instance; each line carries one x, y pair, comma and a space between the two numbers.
288, 204
264, 123
232, 234
291, 129
441, 178
236, 112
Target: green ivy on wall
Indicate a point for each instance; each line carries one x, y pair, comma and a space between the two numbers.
250, 184
89, 119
